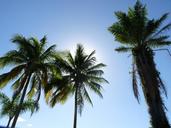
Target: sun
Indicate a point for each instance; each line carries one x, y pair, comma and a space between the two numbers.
87, 44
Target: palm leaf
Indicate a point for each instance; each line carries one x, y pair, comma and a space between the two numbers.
6, 77
95, 72
153, 26
48, 53
60, 95
86, 96
4, 98
19, 86
43, 43
24, 45
134, 82
29, 105
95, 87
70, 59
158, 41
96, 67
123, 49
12, 58
163, 29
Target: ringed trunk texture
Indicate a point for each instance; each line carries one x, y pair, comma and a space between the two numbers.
151, 85
21, 102
75, 110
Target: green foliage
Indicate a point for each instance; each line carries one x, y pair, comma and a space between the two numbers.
135, 31
9, 107
32, 58
79, 73
140, 35
33, 65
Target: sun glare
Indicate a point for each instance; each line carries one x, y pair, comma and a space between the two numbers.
89, 46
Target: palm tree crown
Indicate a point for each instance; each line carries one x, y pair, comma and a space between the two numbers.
79, 74
32, 64
9, 107
134, 29
139, 35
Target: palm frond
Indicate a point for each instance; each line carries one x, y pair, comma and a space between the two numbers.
35, 86
160, 44
48, 52
64, 65
12, 58
70, 59
88, 62
32, 92
86, 96
17, 83
60, 95
18, 86
123, 49
162, 18
7, 77
158, 41
36, 44
121, 35
153, 26
96, 67
96, 72
77, 72
95, 87
29, 105
79, 56
24, 44
4, 98
162, 86
7, 110
91, 55
97, 79
43, 43
9, 106
38, 92
163, 29
134, 82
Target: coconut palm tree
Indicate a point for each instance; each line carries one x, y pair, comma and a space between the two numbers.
32, 66
139, 35
79, 74
9, 107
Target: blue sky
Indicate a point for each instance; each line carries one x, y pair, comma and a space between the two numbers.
67, 23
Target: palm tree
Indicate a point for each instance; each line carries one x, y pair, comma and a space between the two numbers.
79, 74
9, 107
139, 35
32, 67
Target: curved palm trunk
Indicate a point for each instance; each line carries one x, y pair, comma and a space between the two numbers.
151, 85
21, 102
9, 121
75, 110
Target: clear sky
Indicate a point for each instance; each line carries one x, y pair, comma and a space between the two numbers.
66, 23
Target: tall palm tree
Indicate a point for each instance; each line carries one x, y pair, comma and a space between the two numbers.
32, 66
9, 107
139, 35
79, 74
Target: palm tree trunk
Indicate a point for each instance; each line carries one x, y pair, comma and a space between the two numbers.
21, 102
151, 89
75, 110
9, 121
